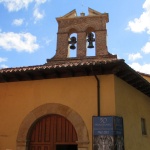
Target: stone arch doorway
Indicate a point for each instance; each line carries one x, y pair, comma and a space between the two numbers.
57, 109
52, 132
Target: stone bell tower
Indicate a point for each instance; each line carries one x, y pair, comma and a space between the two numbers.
89, 29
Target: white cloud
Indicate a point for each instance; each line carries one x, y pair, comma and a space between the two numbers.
16, 5
48, 41
37, 14
18, 22
135, 56
18, 41
143, 22
146, 48
3, 59
39, 2
146, 5
3, 66
141, 68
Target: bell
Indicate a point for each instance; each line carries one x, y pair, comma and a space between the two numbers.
72, 46
90, 44
72, 42
90, 40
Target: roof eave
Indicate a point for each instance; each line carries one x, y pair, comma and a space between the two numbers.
116, 67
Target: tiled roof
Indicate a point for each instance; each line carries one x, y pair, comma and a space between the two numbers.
77, 68
58, 65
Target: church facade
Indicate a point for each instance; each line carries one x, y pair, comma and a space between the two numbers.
52, 106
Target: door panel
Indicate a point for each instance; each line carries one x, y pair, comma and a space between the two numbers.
49, 131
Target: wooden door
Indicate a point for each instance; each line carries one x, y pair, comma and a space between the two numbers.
50, 131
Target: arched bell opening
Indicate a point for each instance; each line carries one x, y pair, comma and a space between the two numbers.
72, 45
90, 42
52, 132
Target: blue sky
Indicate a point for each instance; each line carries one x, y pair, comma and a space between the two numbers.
28, 30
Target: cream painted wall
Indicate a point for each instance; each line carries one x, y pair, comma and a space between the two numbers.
107, 95
147, 77
133, 105
80, 94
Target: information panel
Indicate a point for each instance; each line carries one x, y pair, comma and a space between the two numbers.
108, 133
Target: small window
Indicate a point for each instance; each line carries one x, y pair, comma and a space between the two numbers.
143, 126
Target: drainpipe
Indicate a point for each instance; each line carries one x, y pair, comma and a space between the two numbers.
98, 92
98, 95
